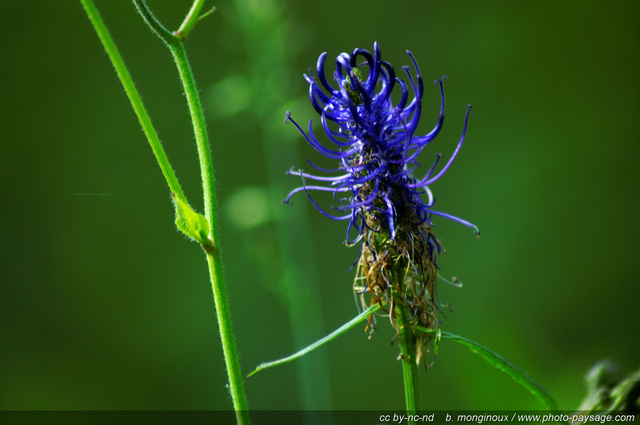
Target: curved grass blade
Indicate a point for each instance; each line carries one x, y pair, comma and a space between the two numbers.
504, 365
342, 329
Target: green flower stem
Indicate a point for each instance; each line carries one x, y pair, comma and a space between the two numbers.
234, 373
176, 46
202, 139
195, 108
134, 97
408, 352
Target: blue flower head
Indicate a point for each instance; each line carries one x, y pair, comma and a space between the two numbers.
375, 145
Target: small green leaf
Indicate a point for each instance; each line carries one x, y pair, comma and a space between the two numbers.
192, 224
504, 365
342, 329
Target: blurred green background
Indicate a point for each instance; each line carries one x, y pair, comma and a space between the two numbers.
104, 305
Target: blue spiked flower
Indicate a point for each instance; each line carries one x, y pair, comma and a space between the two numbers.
377, 149
375, 145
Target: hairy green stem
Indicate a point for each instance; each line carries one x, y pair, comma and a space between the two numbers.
408, 353
176, 46
134, 97
202, 138
234, 373
214, 261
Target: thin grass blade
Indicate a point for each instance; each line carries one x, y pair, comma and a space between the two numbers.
504, 365
342, 329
